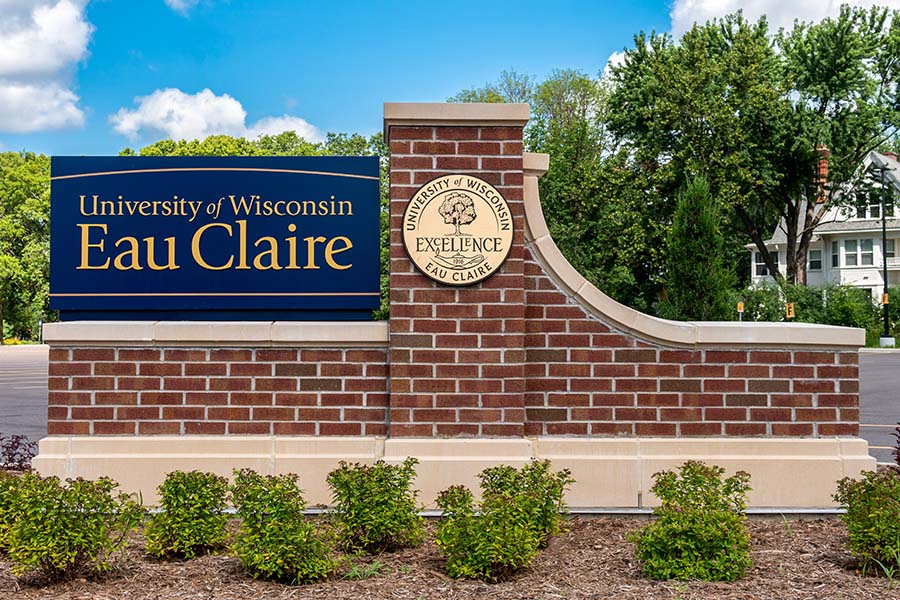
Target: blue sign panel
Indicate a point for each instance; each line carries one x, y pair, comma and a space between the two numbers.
214, 238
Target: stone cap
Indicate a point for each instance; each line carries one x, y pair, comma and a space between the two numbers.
462, 114
318, 334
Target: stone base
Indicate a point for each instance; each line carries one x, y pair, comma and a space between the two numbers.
609, 472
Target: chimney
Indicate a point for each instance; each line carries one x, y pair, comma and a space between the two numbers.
891, 155
822, 172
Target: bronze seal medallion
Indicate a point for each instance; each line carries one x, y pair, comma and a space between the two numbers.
457, 229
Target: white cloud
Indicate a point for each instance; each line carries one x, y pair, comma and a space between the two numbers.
195, 116
615, 59
51, 39
28, 107
780, 13
41, 42
182, 6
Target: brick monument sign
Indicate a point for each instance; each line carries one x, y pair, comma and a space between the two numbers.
530, 360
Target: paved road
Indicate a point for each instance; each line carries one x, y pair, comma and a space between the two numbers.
23, 395
23, 391
879, 401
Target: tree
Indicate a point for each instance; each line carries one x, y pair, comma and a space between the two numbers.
698, 281
457, 209
755, 113
24, 243
510, 87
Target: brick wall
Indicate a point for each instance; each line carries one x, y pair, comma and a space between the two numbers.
457, 354
584, 378
281, 391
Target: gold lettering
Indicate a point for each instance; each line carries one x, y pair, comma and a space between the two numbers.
272, 253
151, 254
133, 254
195, 247
311, 251
330, 251
87, 245
242, 246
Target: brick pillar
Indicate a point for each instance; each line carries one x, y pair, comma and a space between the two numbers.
456, 353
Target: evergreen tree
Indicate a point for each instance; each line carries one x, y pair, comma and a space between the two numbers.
699, 283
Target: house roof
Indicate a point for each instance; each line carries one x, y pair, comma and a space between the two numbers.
892, 176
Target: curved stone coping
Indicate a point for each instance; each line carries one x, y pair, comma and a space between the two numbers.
318, 334
609, 472
696, 333
440, 114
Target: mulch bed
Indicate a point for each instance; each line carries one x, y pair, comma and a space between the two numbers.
794, 560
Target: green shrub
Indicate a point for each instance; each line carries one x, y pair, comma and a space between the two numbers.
275, 540
537, 481
518, 512
700, 531
66, 531
9, 506
192, 521
375, 506
873, 517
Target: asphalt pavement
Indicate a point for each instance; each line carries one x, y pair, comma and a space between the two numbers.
23, 395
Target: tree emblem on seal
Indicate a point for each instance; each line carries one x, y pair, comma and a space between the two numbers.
457, 210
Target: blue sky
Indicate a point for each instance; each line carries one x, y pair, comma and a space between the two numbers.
80, 77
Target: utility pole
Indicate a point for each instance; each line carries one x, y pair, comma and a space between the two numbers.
887, 340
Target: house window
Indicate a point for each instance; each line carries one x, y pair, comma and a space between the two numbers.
850, 257
869, 210
889, 249
858, 253
835, 254
815, 260
761, 270
865, 252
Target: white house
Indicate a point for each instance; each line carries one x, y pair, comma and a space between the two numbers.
846, 247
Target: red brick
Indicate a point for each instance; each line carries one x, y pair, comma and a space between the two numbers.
726, 356
114, 427
276, 354
294, 428
848, 358
654, 429
93, 354
159, 428
94, 383
57, 383
841, 372
770, 414
769, 385
259, 369
456, 429
792, 400
273, 413
778, 358
700, 429
567, 428
296, 370
116, 397
114, 368
793, 372
92, 413
680, 385
724, 385
411, 133
634, 355
636, 385
725, 414
501, 133
230, 355
478, 148
184, 413
251, 398
68, 428
792, 429
58, 354
749, 371
503, 429
843, 400
813, 386
205, 369
740, 429
838, 429
502, 163
746, 400
204, 428
814, 358
138, 383
279, 385
226, 384
137, 413
59, 369
815, 414
255, 428
702, 400
340, 428
160, 369
182, 355
154, 398
849, 386
679, 356
635, 414
206, 398
657, 399
185, 383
